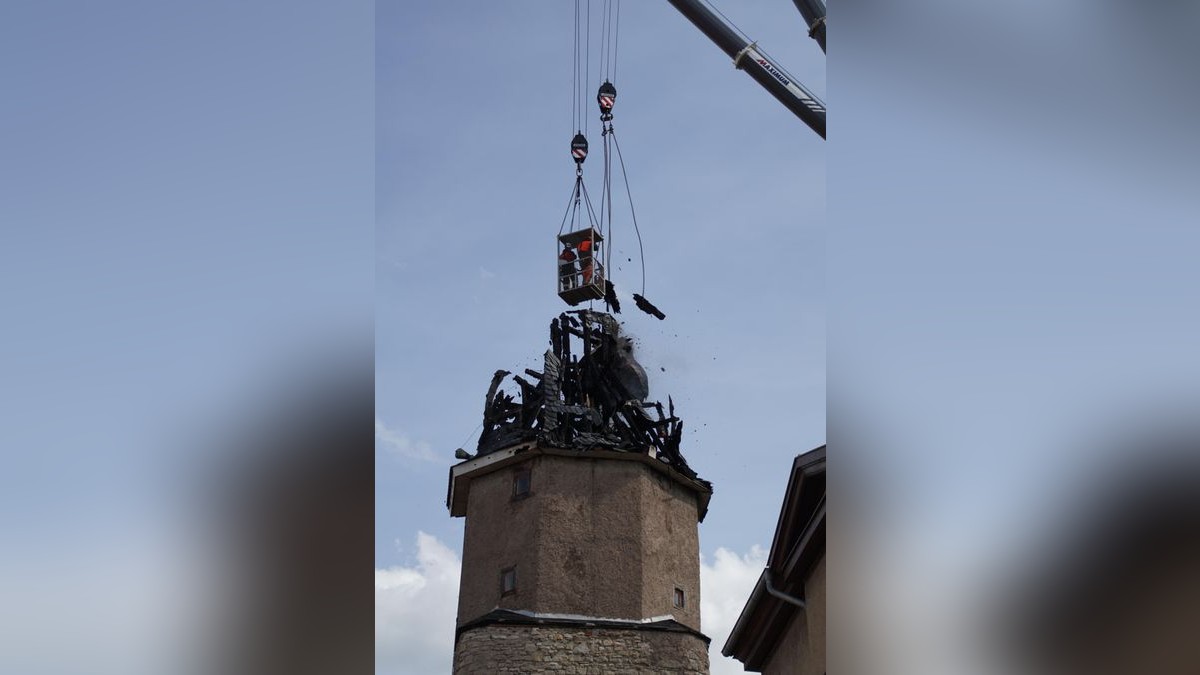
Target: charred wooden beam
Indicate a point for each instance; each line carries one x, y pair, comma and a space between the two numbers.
596, 400
645, 305
610, 297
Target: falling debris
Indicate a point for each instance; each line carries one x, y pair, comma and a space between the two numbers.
610, 297
591, 394
644, 305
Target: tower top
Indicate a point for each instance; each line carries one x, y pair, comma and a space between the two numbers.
591, 395
580, 540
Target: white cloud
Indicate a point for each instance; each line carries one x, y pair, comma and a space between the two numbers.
400, 444
725, 587
486, 274
415, 609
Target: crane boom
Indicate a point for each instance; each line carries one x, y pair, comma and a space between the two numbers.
813, 12
746, 56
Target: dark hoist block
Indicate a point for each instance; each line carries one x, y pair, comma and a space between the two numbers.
582, 279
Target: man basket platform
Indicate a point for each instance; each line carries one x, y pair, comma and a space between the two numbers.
585, 282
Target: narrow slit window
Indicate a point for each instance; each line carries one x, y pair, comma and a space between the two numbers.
521, 484
508, 581
679, 598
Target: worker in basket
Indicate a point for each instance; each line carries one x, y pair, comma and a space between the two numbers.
585, 260
566, 268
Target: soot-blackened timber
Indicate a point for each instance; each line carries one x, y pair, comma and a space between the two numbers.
591, 393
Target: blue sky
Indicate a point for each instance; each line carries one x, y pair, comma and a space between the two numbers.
186, 200
473, 111
188, 196
473, 126
173, 234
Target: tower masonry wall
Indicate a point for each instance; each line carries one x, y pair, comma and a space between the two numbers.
495, 649
596, 537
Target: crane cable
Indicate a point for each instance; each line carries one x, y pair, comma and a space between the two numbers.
632, 212
609, 29
575, 74
579, 70
606, 99
579, 145
572, 213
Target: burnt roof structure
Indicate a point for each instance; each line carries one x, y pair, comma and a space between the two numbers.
590, 394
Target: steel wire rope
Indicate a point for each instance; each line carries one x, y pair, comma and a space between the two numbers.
587, 55
608, 52
463, 445
572, 211
774, 61
587, 199
616, 31
607, 33
574, 200
575, 74
733, 25
795, 80
608, 197
632, 211
603, 39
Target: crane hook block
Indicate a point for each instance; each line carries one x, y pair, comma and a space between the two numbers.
607, 98
579, 148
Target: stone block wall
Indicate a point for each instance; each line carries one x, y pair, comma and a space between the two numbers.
494, 649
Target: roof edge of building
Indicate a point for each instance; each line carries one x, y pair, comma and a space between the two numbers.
515, 618
764, 616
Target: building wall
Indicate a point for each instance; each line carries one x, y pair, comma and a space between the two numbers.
589, 537
670, 549
605, 538
498, 533
801, 648
494, 649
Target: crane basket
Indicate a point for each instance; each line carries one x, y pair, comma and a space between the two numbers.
586, 280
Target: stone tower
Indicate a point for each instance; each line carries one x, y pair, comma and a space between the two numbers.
581, 551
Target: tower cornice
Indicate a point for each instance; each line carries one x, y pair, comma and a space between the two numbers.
463, 473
